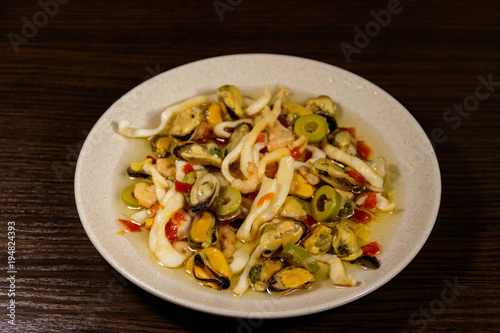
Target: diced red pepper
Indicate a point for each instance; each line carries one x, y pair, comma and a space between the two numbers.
151, 157
361, 216
351, 130
370, 201
309, 221
356, 176
188, 168
183, 187
364, 151
295, 153
131, 226
371, 249
171, 231
260, 138
172, 226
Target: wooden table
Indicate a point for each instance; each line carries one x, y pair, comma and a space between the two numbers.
64, 63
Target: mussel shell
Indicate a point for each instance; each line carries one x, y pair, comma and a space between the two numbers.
239, 132
275, 235
262, 272
186, 123
334, 175
322, 103
160, 152
291, 278
368, 262
210, 268
230, 97
204, 230
136, 174
345, 242
204, 191
201, 154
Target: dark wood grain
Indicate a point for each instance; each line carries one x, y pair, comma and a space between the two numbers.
54, 89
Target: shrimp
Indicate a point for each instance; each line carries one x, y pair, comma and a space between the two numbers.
279, 137
227, 239
165, 168
249, 185
306, 172
145, 195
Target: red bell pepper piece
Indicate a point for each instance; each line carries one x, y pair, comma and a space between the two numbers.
371, 249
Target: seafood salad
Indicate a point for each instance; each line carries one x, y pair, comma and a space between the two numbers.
256, 193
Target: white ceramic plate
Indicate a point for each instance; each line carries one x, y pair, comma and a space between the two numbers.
379, 119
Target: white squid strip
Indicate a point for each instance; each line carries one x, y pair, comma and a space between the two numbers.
140, 217
272, 157
256, 151
161, 184
316, 154
159, 244
259, 104
246, 152
248, 229
284, 178
230, 158
124, 125
357, 164
338, 275
243, 283
220, 128
241, 256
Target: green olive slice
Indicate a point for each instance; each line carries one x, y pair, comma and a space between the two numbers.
296, 255
227, 202
314, 127
325, 204
128, 197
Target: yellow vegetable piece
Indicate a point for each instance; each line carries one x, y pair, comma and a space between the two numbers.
214, 114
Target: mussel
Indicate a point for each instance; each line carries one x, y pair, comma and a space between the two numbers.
300, 187
210, 268
230, 97
204, 231
342, 139
291, 278
275, 235
160, 144
294, 208
320, 240
136, 169
204, 190
322, 103
345, 242
186, 123
261, 273
202, 154
334, 175
239, 132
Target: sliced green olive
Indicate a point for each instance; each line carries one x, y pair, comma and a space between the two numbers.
128, 197
227, 202
190, 178
314, 127
296, 255
325, 204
